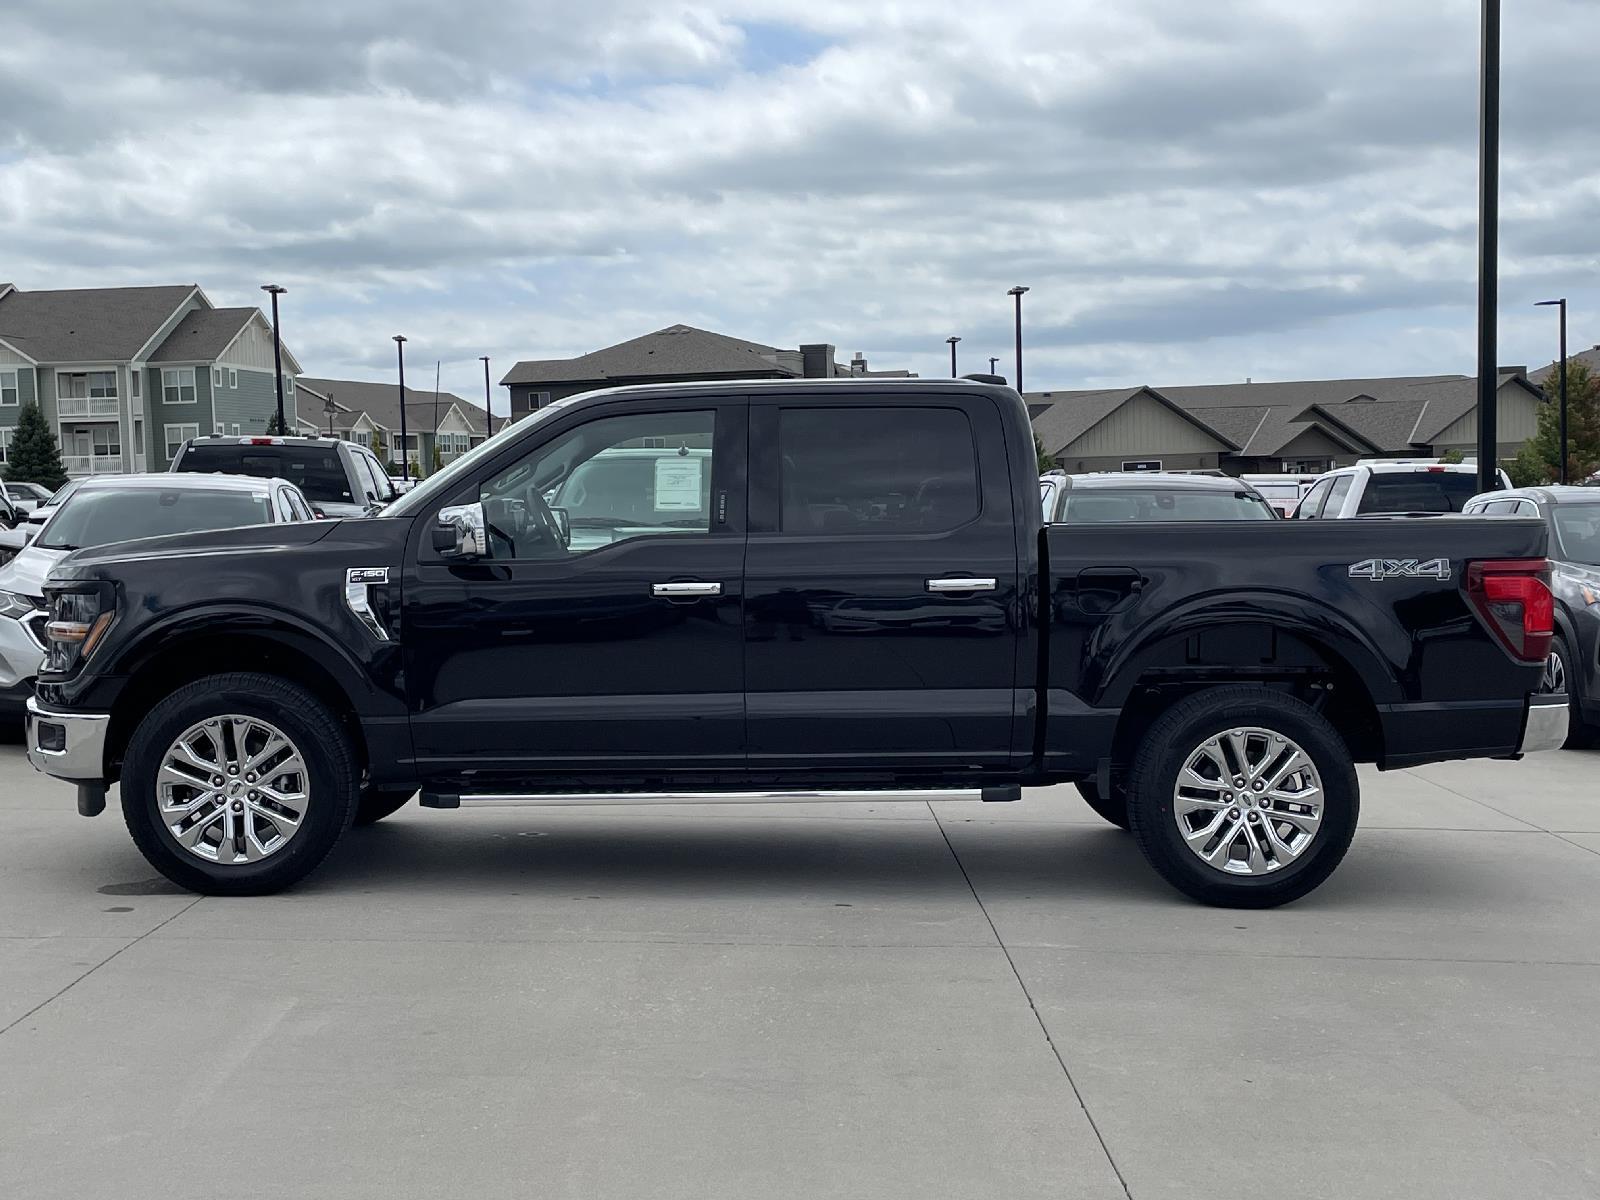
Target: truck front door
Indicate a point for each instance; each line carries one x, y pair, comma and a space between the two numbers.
881, 582
601, 632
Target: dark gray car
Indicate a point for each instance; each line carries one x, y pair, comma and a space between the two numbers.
1573, 515
341, 479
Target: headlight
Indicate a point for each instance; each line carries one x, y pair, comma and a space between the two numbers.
15, 606
78, 623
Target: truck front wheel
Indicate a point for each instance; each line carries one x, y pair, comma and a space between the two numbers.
238, 784
1243, 797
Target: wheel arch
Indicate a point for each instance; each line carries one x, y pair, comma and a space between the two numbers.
167, 658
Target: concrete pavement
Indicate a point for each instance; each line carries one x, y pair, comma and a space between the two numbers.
811, 1001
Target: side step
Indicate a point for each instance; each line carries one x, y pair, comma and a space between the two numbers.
989, 795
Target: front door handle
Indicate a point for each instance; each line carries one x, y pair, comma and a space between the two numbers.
685, 589
961, 585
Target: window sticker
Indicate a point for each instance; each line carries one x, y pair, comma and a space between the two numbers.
678, 484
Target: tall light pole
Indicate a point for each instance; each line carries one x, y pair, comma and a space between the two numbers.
952, 341
1488, 243
1018, 293
993, 358
275, 290
405, 461
1562, 477
488, 405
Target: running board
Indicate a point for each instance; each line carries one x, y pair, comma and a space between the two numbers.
990, 795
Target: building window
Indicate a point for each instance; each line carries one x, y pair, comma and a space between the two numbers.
106, 441
216, 376
177, 435
220, 429
236, 429
78, 385
177, 386
8, 389
409, 442
5, 444
233, 378
134, 382
288, 387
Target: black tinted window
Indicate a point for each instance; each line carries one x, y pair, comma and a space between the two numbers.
1418, 491
876, 470
315, 470
101, 515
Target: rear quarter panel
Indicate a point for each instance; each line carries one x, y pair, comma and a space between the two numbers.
1432, 670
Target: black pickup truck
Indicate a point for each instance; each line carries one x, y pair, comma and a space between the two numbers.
763, 590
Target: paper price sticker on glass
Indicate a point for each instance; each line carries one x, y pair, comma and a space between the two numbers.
678, 483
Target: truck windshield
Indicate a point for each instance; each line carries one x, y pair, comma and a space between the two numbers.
316, 470
1110, 505
1578, 531
1418, 491
97, 516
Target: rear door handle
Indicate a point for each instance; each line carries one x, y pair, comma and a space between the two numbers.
686, 588
961, 585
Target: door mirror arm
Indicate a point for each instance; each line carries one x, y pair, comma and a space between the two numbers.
461, 533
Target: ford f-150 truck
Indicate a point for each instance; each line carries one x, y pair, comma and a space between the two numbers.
813, 588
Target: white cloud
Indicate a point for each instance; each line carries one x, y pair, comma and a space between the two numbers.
1193, 191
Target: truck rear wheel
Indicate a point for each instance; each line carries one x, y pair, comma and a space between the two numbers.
1113, 808
1243, 797
238, 784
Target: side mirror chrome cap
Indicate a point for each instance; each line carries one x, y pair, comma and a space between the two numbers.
461, 532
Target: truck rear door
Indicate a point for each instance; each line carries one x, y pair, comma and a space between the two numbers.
880, 573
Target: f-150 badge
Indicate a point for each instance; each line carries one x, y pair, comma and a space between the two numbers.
1377, 569
367, 575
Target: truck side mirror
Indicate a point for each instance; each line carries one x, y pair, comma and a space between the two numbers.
461, 533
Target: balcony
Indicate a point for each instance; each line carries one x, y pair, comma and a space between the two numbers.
92, 464
88, 407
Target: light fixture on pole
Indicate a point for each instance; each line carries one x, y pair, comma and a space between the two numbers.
275, 290
400, 356
993, 358
329, 407
952, 341
488, 405
1562, 477
1018, 292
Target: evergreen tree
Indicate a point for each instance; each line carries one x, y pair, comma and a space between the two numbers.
1046, 463
275, 426
1538, 462
34, 457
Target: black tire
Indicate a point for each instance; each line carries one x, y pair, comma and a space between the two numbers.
1114, 809
377, 803
1178, 733
1578, 734
331, 784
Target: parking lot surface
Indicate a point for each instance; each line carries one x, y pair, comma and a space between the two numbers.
900, 1000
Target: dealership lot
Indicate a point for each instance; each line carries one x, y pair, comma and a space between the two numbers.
828, 1000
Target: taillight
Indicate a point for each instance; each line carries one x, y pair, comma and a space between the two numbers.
1512, 596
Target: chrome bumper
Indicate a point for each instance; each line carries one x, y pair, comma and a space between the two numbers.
83, 743
1545, 726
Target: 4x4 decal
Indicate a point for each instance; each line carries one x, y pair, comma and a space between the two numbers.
1378, 569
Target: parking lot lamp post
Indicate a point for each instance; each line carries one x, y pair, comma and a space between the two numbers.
275, 290
329, 407
1018, 292
1562, 477
952, 341
488, 404
400, 355
1488, 244
993, 358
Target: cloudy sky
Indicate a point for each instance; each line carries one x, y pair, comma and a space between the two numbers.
1195, 192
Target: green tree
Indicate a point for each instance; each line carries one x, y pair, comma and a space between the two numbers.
276, 426
1538, 461
34, 457
1046, 463
438, 458
1453, 457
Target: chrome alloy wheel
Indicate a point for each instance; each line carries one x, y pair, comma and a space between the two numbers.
1248, 801
232, 789
1554, 680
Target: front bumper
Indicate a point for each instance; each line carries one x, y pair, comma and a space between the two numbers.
1545, 725
78, 742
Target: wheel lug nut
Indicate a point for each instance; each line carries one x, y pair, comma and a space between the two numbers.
1238, 783
216, 781
233, 770
251, 777
1260, 785
255, 795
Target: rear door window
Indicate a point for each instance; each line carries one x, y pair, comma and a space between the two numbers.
847, 471
1311, 507
1341, 488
